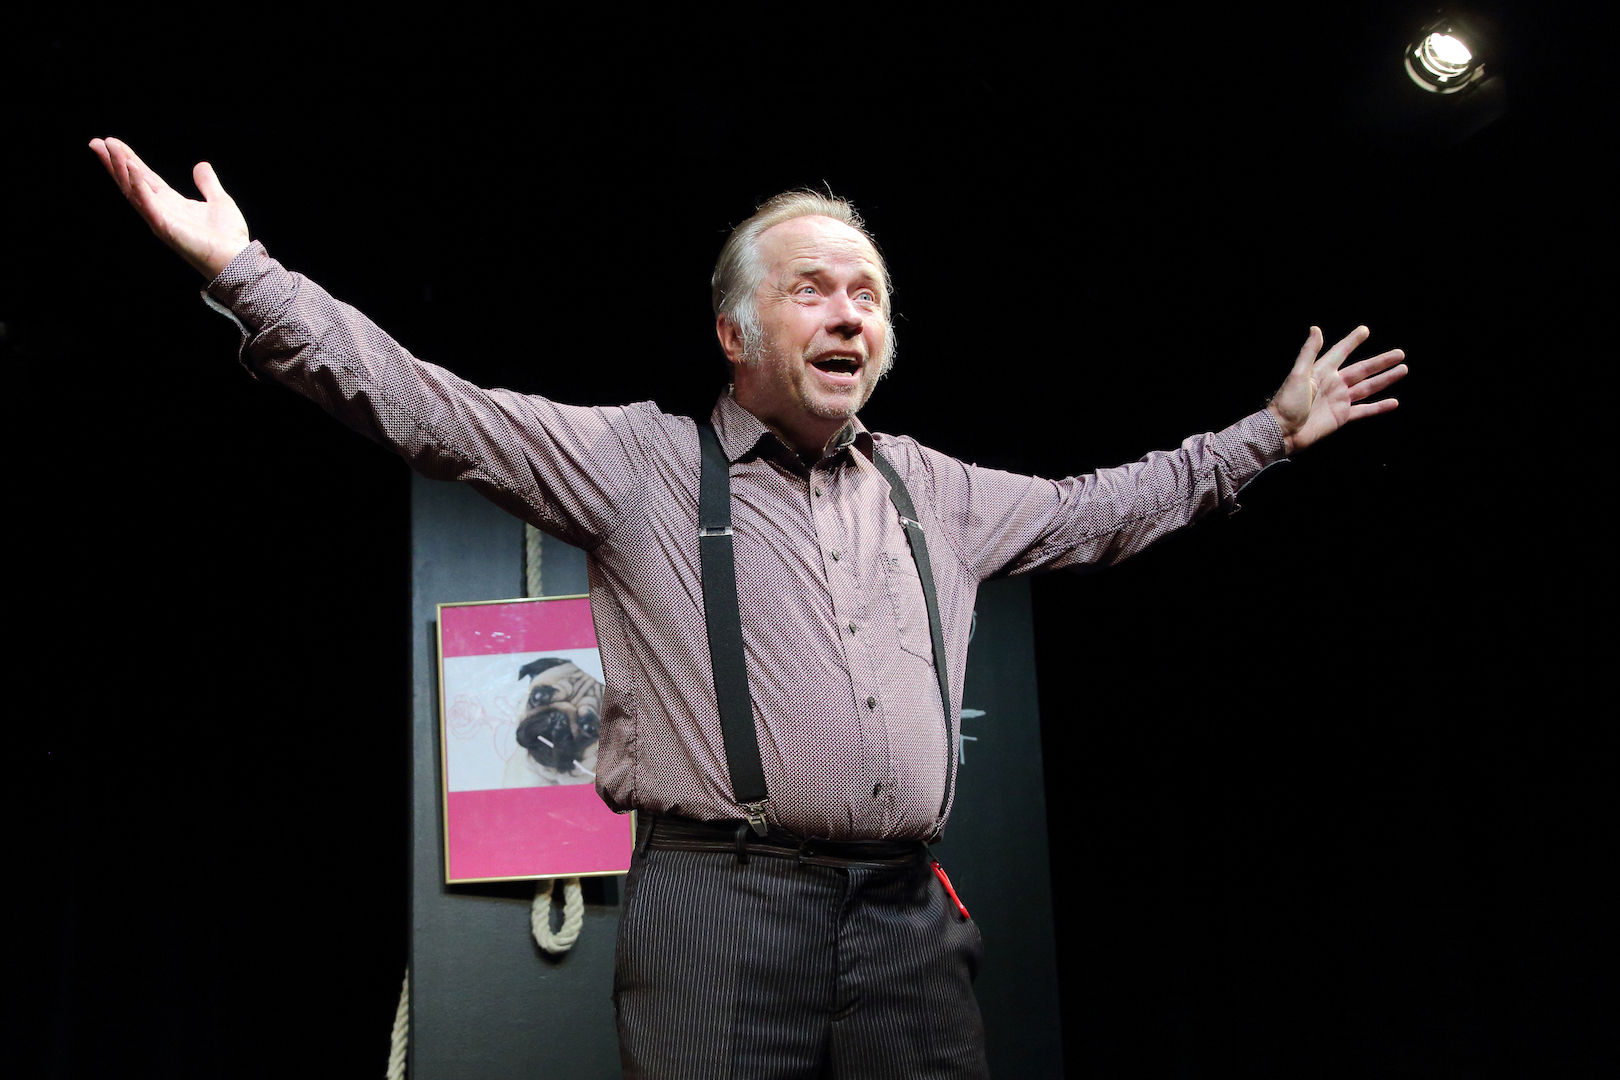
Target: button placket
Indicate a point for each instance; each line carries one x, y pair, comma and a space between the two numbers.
835, 524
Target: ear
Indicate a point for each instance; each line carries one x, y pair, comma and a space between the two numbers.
731, 339
535, 667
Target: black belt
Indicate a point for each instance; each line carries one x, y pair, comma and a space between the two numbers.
736, 838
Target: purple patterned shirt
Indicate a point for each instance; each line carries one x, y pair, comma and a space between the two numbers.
846, 703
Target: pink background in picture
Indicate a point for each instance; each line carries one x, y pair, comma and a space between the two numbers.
544, 831
477, 629
535, 832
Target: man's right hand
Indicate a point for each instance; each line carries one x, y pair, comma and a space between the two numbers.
207, 234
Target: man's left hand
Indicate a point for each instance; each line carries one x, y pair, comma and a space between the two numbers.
1318, 398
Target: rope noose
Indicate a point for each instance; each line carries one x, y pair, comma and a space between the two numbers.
573, 917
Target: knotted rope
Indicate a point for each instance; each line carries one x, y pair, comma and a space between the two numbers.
573, 917
402, 1031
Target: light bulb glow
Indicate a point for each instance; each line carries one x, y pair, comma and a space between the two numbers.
1444, 56
1443, 61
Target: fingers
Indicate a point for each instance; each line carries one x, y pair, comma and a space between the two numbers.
124, 164
1308, 351
1371, 408
112, 154
99, 148
203, 175
146, 191
1374, 375
1344, 347
128, 170
1365, 369
1378, 383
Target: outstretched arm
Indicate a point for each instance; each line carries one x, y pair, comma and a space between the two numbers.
574, 472
1320, 395
207, 234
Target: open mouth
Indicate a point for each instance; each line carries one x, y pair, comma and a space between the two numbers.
839, 365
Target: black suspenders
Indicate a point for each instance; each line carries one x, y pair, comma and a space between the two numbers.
925, 570
724, 623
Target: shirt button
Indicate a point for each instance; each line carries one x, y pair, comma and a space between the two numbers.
834, 554
818, 493
852, 628
871, 703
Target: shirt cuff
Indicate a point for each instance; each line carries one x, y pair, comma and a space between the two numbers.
1248, 448
252, 291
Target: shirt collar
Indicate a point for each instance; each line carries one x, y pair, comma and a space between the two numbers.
742, 433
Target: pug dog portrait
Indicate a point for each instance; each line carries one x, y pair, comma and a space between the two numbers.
558, 726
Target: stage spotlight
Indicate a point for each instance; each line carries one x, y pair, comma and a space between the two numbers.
1447, 56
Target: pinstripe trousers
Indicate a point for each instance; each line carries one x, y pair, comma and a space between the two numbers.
777, 970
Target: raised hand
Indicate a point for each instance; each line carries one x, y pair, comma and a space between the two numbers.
207, 234
1318, 397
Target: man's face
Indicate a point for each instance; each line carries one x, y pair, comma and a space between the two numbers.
824, 329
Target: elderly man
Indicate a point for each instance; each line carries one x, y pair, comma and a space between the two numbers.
782, 600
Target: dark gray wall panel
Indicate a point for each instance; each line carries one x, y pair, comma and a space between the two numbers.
995, 846
487, 1004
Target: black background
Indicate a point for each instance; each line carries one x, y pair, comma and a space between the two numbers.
1328, 788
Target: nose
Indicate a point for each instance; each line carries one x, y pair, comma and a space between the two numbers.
844, 318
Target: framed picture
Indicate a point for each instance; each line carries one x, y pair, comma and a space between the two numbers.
520, 706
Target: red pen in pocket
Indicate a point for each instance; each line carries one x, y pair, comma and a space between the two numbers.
939, 872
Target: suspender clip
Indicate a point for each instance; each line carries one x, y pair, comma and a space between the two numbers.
756, 816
